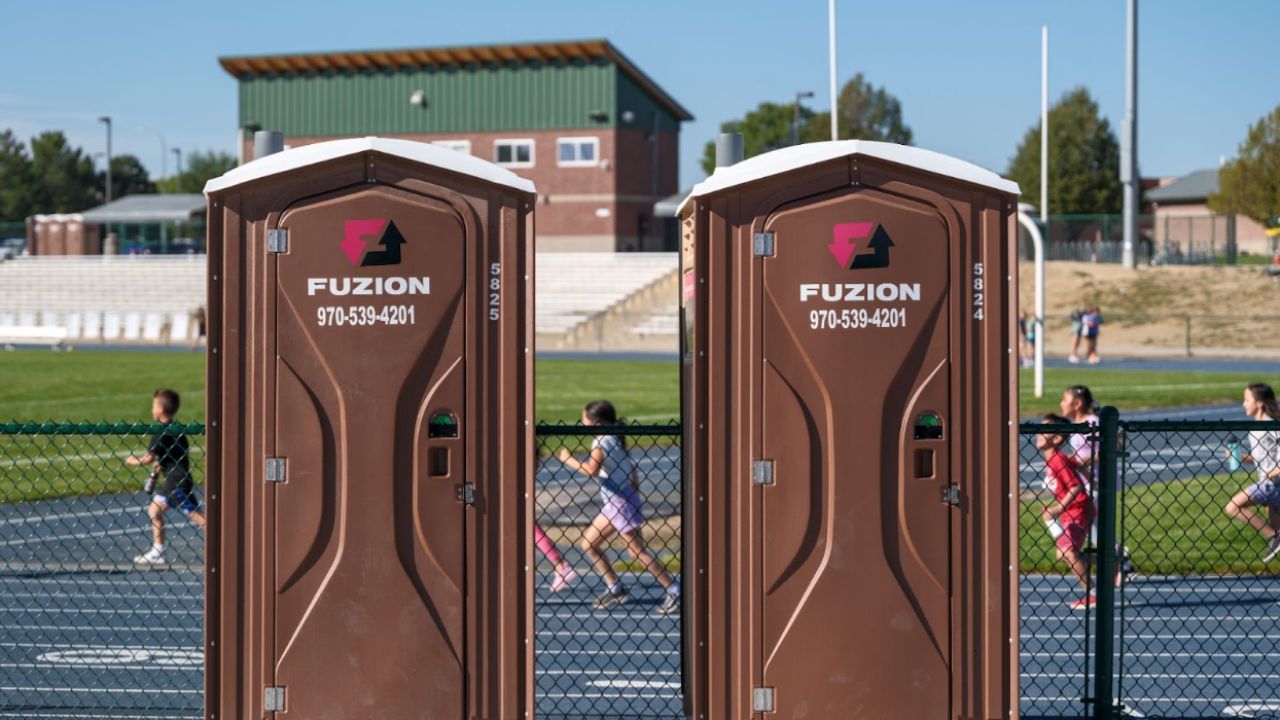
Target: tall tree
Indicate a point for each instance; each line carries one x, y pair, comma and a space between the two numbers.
201, 167
17, 186
64, 176
1084, 159
867, 112
128, 177
1249, 185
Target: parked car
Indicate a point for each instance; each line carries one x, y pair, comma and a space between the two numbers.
12, 247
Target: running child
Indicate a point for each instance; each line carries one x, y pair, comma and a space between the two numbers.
565, 574
1070, 516
610, 464
1078, 406
1264, 452
168, 456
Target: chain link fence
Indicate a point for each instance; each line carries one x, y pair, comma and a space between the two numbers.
86, 630
1197, 628
91, 629
602, 654
1054, 664
1185, 623
1189, 621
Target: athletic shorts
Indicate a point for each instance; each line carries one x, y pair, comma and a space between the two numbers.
1073, 536
1266, 493
623, 512
179, 500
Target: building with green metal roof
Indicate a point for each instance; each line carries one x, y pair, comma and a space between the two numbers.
597, 136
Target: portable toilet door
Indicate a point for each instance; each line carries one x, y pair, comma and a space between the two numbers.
851, 435
369, 461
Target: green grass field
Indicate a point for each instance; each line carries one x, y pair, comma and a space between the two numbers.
1133, 389
117, 386
1170, 528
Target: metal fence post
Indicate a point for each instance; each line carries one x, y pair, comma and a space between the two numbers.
1104, 649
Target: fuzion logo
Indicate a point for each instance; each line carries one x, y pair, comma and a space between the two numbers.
844, 248
355, 233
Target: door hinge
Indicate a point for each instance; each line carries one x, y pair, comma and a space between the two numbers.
273, 699
762, 699
762, 472
466, 493
275, 470
764, 244
951, 494
277, 240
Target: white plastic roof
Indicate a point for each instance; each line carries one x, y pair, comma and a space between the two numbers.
798, 156
420, 152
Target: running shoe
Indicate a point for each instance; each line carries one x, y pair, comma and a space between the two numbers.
563, 580
1273, 548
1085, 602
1074, 359
608, 599
670, 604
150, 557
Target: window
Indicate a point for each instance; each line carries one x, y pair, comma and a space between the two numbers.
462, 146
513, 153
578, 152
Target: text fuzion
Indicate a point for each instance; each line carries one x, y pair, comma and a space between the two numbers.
370, 285
860, 292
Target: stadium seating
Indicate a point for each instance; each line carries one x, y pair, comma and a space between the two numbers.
573, 288
150, 299
108, 298
664, 322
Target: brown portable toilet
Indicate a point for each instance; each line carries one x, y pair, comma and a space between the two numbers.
850, 392
370, 385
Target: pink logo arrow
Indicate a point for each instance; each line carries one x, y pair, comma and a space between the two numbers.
842, 246
354, 234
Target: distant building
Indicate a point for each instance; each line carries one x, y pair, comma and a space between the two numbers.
597, 136
134, 224
1183, 219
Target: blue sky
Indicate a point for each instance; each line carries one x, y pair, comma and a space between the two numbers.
967, 73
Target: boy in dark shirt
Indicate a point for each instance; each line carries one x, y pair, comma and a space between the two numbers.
167, 455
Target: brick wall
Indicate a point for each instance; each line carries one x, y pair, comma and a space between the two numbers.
602, 207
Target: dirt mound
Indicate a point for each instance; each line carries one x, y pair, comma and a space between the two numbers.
1223, 310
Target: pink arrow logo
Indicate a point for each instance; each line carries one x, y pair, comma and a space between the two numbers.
354, 234
842, 246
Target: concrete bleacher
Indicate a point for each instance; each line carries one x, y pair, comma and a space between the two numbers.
662, 322
575, 288
581, 298
125, 298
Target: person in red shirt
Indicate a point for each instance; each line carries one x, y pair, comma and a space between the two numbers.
1070, 515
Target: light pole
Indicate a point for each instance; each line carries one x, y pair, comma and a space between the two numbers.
107, 121
795, 116
164, 149
1044, 126
177, 182
1129, 136
831, 70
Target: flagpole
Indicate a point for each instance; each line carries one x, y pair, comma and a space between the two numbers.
831, 48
